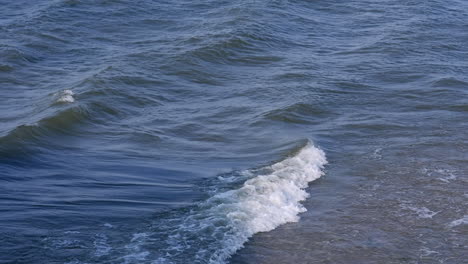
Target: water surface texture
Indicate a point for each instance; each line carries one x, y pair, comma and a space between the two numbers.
173, 132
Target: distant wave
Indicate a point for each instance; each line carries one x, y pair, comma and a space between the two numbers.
218, 227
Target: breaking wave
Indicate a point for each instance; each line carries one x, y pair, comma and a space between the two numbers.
216, 228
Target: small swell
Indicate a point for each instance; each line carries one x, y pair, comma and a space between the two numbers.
24, 136
16, 56
449, 82
237, 49
6, 68
298, 113
249, 44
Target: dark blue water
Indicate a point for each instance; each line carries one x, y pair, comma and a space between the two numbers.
233, 132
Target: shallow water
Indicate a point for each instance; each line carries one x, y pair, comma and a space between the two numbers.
233, 132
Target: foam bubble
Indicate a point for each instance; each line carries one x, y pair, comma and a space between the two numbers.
66, 96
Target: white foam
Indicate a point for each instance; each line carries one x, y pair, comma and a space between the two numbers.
266, 201
101, 245
447, 175
260, 204
422, 212
71, 232
66, 96
427, 252
137, 254
444, 175
136, 258
461, 221
377, 153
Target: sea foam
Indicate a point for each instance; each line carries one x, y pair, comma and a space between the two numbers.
267, 201
66, 96
219, 226
461, 221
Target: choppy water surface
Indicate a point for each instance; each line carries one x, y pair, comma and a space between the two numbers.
233, 131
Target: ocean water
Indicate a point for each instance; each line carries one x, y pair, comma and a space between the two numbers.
214, 131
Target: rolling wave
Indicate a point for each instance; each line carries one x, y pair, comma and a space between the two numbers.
53, 124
